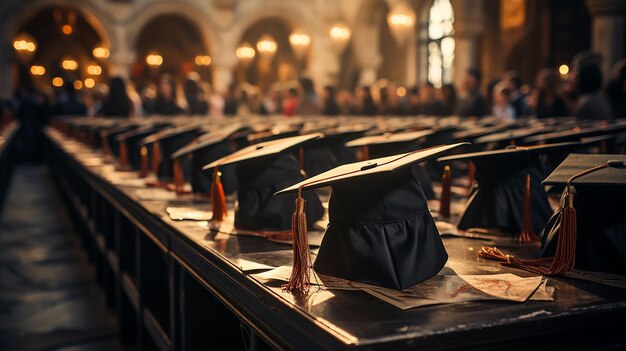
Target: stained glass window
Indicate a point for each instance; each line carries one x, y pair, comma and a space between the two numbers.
440, 42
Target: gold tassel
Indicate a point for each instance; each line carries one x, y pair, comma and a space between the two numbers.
471, 176
527, 233
365, 153
179, 177
156, 157
565, 254
301, 271
124, 163
218, 198
106, 149
446, 184
144, 162
301, 158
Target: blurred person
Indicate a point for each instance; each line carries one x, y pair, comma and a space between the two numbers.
502, 107
428, 103
196, 103
331, 107
448, 97
135, 99
309, 103
117, 103
69, 101
616, 90
347, 103
148, 98
32, 113
473, 102
268, 102
591, 103
291, 102
518, 99
230, 100
413, 101
165, 103
548, 101
367, 106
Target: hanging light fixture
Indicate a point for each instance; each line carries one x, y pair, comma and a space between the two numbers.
101, 52
68, 63
66, 23
24, 46
300, 42
245, 53
267, 46
340, 35
36, 70
401, 21
202, 60
154, 59
94, 69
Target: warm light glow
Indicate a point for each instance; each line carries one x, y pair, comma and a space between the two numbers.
89, 83
69, 64
67, 29
94, 70
101, 52
24, 46
203, 60
245, 53
267, 46
78, 84
57, 81
154, 59
563, 69
300, 42
340, 35
401, 91
37, 70
401, 21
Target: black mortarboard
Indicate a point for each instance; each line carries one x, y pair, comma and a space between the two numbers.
576, 134
380, 229
133, 137
206, 149
329, 151
376, 146
107, 136
262, 169
165, 143
509, 195
595, 233
502, 139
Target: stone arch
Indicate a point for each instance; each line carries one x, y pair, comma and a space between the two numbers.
99, 19
143, 15
291, 13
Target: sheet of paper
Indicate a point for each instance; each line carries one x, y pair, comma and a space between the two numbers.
156, 194
189, 213
228, 227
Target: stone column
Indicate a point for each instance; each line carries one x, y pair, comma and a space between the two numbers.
324, 62
468, 28
223, 63
607, 33
122, 55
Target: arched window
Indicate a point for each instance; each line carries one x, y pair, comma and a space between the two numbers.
440, 42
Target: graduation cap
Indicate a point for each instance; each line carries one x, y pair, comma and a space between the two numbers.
107, 137
206, 149
576, 134
509, 195
329, 151
262, 169
588, 230
380, 230
164, 144
502, 139
130, 151
376, 146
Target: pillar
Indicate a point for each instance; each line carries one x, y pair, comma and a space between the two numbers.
122, 55
324, 62
223, 62
468, 28
607, 31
